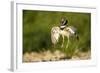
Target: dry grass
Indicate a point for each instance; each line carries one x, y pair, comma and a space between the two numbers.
53, 56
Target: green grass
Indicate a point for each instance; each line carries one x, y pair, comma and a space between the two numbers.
37, 26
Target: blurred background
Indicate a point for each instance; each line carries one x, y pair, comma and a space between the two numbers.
37, 28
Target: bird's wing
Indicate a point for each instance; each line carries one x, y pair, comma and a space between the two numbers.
55, 35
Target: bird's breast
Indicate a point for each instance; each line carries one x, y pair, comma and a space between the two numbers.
64, 33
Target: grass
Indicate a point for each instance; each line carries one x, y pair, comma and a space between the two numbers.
37, 27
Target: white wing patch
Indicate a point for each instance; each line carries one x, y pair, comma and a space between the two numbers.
71, 29
55, 34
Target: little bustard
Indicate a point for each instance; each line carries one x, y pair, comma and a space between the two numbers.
68, 32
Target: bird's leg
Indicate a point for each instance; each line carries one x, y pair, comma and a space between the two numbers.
67, 43
62, 41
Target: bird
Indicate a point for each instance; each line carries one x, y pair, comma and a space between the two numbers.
68, 32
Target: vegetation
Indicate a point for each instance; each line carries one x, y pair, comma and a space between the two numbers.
37, 27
